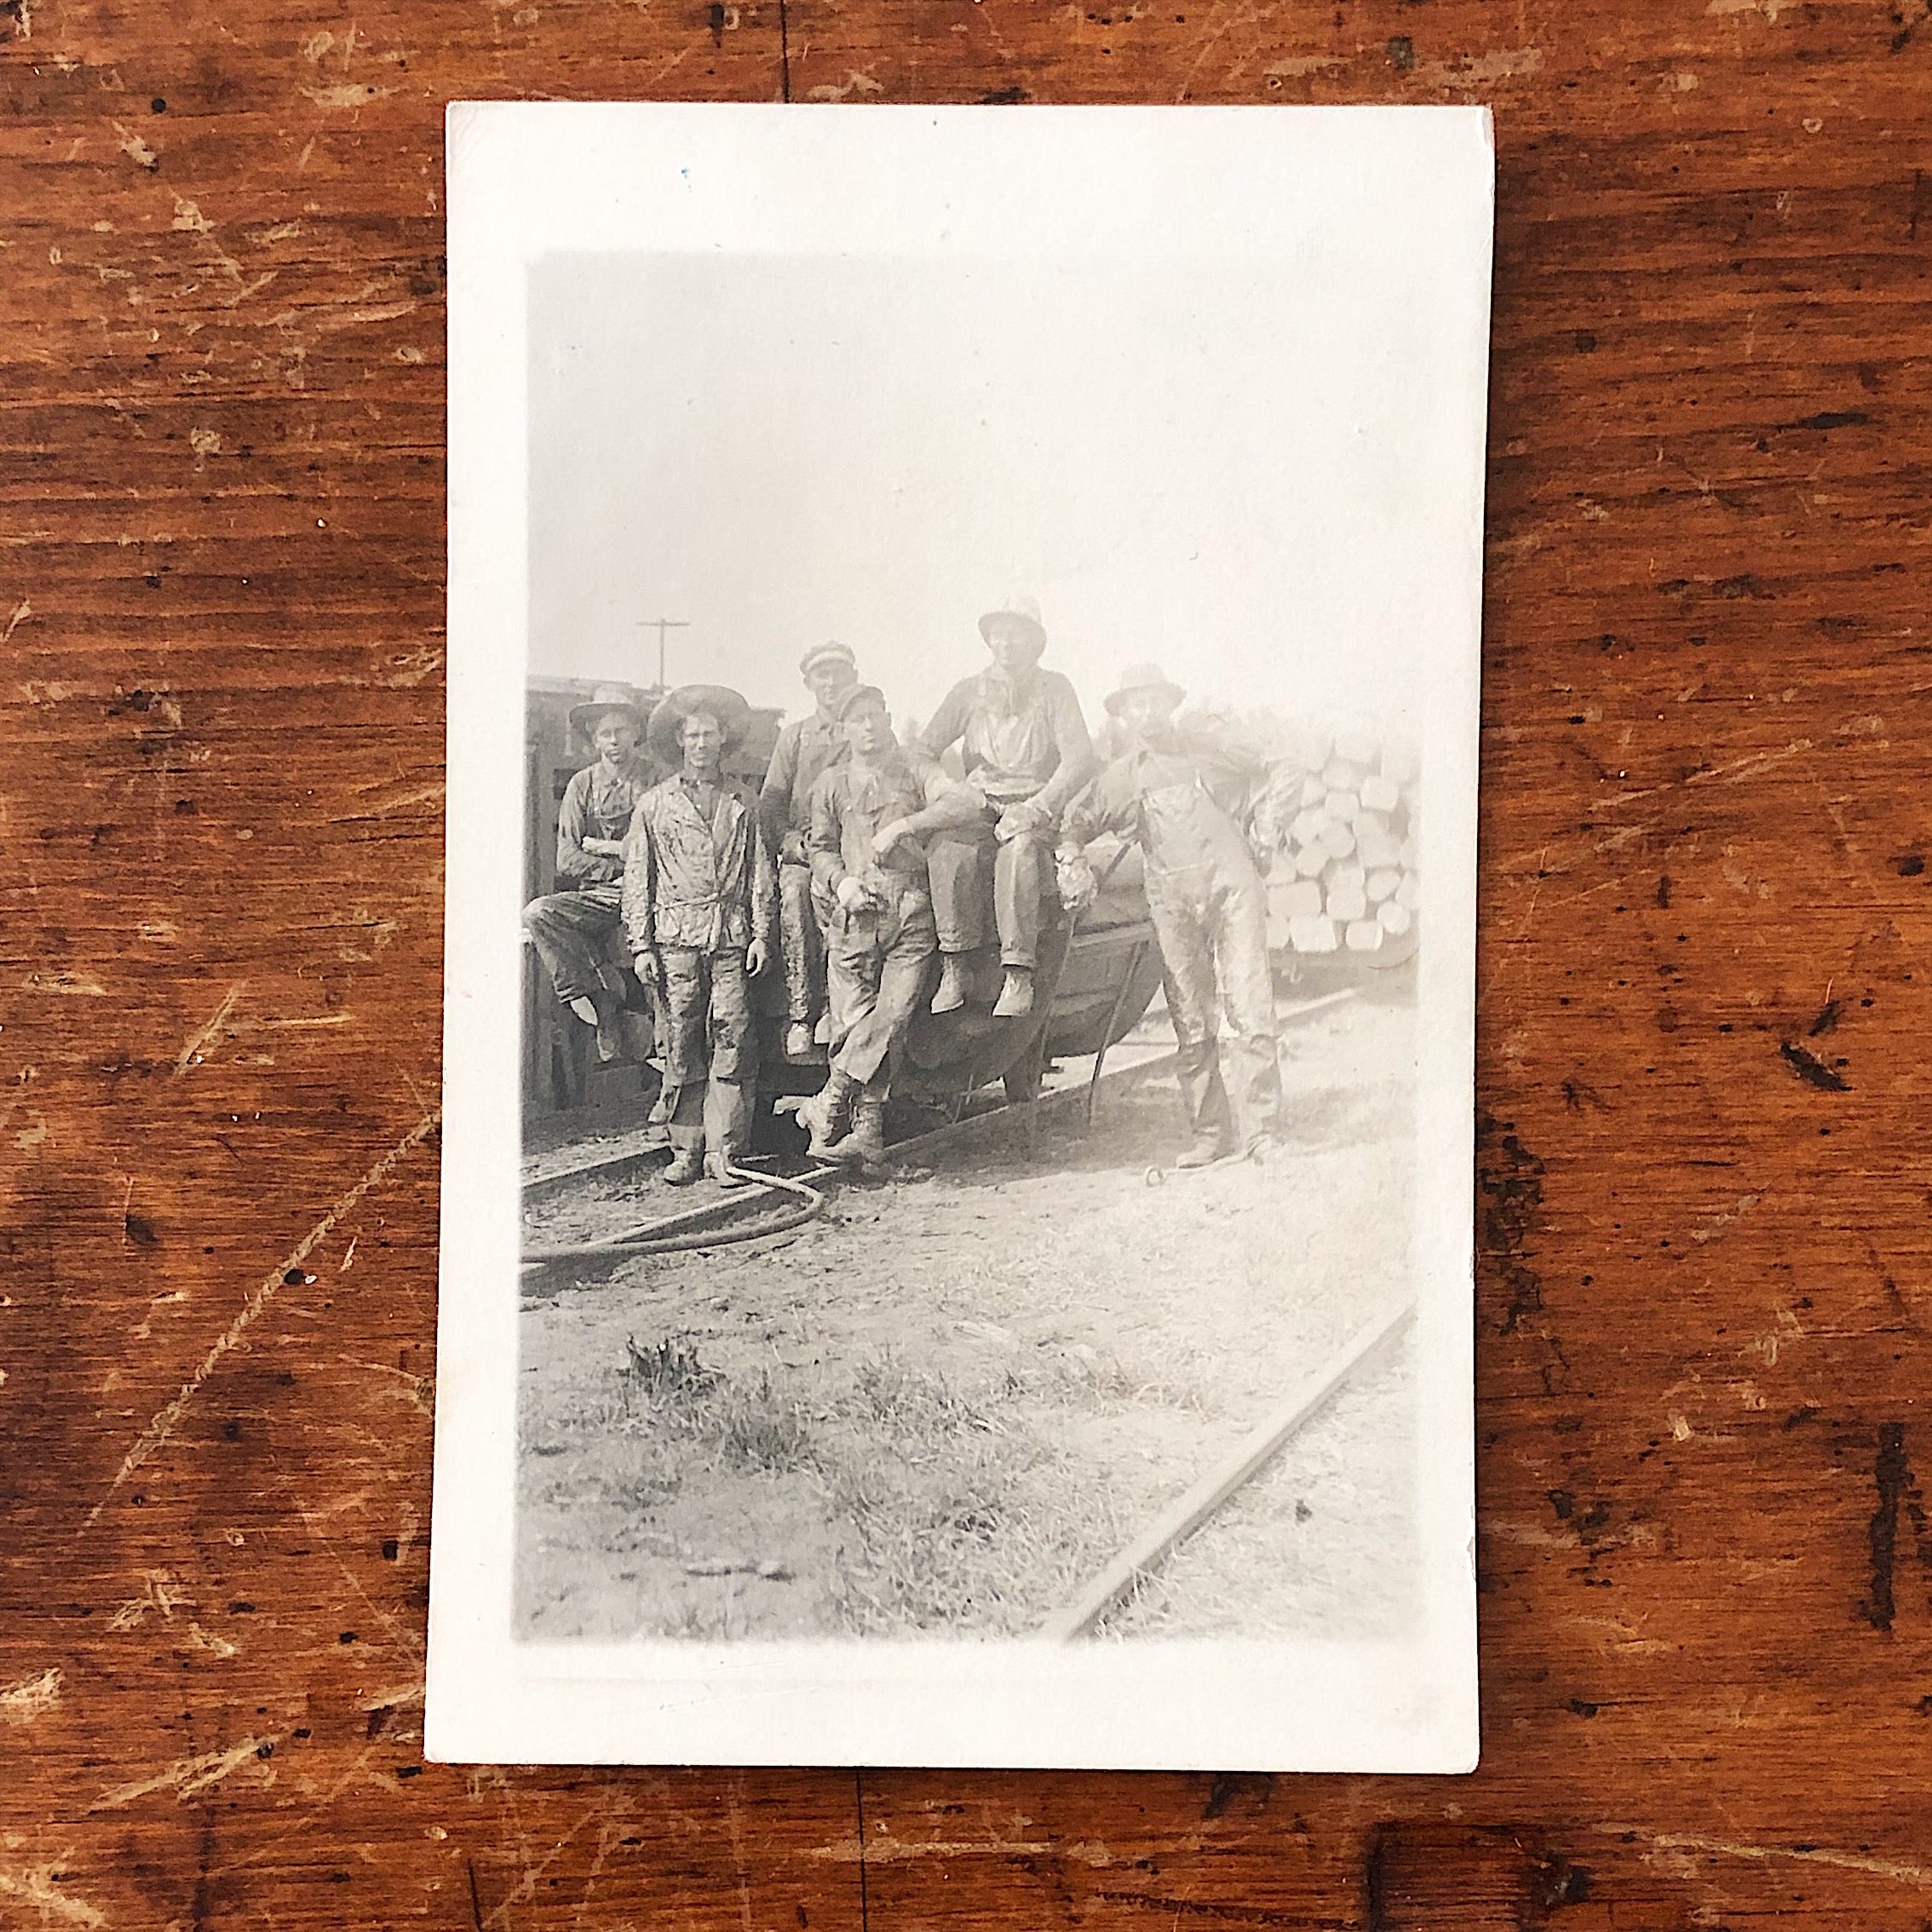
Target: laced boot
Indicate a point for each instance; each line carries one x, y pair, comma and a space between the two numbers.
688, 1163
824, 1115
722, 1167
865, 1147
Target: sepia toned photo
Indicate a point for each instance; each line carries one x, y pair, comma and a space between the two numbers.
965, 1202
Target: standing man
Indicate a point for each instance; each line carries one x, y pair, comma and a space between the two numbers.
1209, 911
805, 747
699, 903
571, 927
1025, 748
869, 816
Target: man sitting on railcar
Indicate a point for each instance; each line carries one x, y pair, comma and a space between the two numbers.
1024, 745
572, 927
869, 817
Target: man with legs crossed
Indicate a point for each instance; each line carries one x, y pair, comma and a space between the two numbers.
869, 817
571, 927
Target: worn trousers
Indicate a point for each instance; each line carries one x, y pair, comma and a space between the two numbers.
958, 863
881, 968
707, 1024
1212, 924
801, 933
571, 931
714, 1119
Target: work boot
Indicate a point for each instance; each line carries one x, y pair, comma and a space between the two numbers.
1205, 1150
952, 994
865, 1145
1016, 995
688, 1163
798, 1040
723, 1168
823, 1115
821, 1033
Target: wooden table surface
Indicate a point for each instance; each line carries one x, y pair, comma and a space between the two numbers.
1706, 1559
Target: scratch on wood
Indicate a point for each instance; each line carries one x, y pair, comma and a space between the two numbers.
165, 1418
31, 1698
35, 1887
351, 94
190, 1053
1918, 1875
21, 611
189, 1775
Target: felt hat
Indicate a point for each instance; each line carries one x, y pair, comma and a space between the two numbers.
606, 697
717, 700
1026, 610
821, 653
849, 701
1143, 677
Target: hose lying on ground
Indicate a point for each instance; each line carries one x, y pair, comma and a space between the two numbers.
676, 1233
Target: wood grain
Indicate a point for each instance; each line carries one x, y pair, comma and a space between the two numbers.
1702, 1205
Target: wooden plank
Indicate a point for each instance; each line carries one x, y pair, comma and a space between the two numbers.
1196, 1503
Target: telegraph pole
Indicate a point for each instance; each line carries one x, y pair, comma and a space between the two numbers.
661, 625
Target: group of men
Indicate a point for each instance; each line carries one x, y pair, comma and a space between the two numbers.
879, 877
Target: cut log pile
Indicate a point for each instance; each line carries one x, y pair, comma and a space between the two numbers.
1340, 817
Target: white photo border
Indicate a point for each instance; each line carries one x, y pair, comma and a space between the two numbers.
1207, 184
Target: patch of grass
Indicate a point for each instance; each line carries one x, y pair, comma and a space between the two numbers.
756, 1427
666, 1370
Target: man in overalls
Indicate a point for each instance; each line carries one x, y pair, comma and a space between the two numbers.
806, 747
571, 927
700, 902
1209, 911
1024, 747
869, 817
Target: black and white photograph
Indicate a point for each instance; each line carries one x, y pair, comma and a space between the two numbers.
963, 675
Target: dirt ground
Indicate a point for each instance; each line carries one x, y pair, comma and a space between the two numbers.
941, 1407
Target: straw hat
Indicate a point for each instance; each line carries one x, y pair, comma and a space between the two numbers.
1024, 610
606, 697
717, 700
1143, 677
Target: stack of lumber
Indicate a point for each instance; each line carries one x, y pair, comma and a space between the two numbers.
1340, 815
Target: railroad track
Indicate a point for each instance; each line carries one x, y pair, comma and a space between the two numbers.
774, 1203
771, 1203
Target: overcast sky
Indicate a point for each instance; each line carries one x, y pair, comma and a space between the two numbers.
1227, 471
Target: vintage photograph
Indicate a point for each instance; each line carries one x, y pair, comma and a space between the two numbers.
997, 780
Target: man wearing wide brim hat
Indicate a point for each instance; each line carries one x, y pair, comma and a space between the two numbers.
1210, 912
700, 908
806, 747
1024, 745
723, 705
572, 927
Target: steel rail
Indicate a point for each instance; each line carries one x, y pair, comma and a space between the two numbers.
1255, 1451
